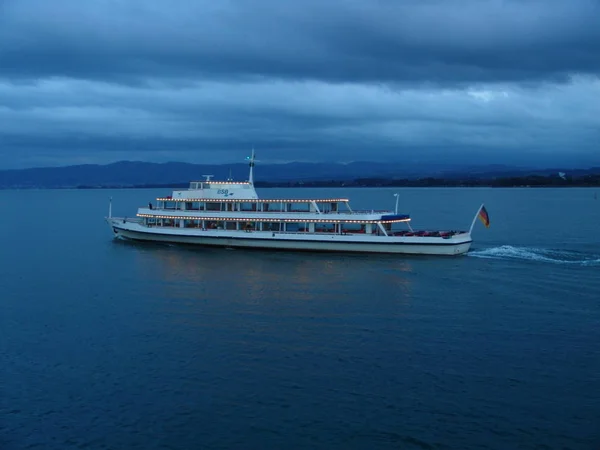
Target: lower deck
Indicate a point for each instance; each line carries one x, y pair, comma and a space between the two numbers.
453, 243
377, 229
271, 225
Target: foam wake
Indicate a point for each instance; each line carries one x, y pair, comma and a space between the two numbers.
509, 252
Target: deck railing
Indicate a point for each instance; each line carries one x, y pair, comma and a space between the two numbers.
354, 212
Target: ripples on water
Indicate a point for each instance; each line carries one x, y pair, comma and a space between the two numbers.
107, 344
554, 256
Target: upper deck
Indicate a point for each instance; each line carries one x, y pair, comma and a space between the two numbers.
217, 190
318, 210
238, 200
273, 205
171, 202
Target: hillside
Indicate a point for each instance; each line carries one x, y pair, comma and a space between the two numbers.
142, 174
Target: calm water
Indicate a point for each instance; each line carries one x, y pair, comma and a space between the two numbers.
105, 344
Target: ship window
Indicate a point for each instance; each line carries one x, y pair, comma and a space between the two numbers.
353, 228
324, 227
248, 206
271, 226
190, 223
293, 226
299, 207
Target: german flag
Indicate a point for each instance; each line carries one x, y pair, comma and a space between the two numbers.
484, 216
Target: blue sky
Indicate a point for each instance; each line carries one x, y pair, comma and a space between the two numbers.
487, 81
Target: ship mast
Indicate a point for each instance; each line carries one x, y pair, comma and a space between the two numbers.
251, 160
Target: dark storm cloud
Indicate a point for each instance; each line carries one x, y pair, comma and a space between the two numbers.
338, 40
100, 122
102, 80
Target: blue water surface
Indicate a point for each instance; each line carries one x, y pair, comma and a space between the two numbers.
106, 344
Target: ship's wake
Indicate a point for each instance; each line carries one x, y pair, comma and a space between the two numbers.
508, 252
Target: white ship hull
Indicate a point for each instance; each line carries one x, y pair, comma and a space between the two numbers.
356, 243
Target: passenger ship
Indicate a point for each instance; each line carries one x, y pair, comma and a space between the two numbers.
230, 214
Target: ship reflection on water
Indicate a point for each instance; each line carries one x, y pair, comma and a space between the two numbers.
256, 306
270, 277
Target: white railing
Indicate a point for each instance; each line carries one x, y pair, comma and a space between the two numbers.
325, 213
131, 219
242, 230
372, 211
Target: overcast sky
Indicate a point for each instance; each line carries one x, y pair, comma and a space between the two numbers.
499, 81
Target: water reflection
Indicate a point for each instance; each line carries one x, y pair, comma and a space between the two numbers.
270, 277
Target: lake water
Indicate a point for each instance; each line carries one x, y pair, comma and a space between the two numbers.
113, 345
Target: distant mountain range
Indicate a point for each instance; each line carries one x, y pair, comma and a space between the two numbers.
140, 174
